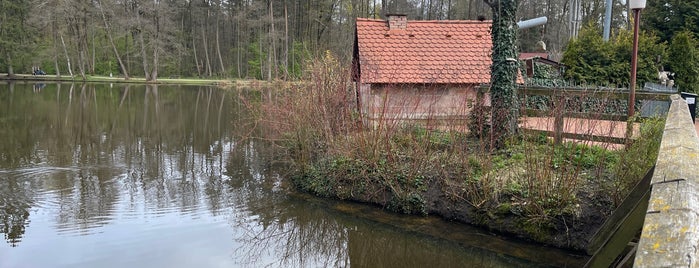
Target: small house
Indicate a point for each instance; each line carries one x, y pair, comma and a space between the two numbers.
420, 70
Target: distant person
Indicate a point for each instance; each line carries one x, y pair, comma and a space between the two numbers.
38, 71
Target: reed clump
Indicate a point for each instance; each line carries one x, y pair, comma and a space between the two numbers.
555, 193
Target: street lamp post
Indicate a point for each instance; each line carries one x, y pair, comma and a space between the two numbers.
635, 6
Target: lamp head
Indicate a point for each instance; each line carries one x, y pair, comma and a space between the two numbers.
637, 4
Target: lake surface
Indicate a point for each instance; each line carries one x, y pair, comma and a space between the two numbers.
100, 175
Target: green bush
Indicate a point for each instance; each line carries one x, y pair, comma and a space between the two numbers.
684, 61
590, 60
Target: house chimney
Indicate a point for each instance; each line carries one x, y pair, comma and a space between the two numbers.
397, 22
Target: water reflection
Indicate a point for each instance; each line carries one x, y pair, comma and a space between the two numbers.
88, 147
14, 212
348, 236
151, 176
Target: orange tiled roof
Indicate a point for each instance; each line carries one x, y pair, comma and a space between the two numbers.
457, 52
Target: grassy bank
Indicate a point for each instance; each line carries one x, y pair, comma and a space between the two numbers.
137, 80
557, 194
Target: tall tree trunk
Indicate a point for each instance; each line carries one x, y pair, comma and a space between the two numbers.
503, 79
204, 37
144, 55
156, 44
206, 50
94, 53
10, 70
270, 51
65, 51
470, 15
373, 9
111, 42
262, 69
81, 63
54, 34
85, 51
154, 74
238, 49
126, 48
429, 9
286, 40
80, 49
218, 47
82, 66
196, 59
449, 16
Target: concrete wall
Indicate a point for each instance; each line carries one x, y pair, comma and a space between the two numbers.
670, 236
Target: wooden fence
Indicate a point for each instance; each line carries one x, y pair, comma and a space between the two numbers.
560, 99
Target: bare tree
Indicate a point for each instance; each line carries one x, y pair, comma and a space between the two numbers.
140, 28
218, 41
272, 46
111, 40
244, 37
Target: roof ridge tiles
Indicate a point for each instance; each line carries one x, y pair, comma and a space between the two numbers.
447, 22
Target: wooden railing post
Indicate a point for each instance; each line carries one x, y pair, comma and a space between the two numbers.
560, 108
558, 97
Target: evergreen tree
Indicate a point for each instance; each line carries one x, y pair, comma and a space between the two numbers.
667, 17
684, 61
588, 59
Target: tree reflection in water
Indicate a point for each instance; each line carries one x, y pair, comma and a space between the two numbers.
14, 210
83, 149
85, 158
283, 229
314, 236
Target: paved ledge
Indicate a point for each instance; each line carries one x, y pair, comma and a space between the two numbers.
670, 236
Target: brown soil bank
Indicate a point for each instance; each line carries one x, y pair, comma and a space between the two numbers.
571, 230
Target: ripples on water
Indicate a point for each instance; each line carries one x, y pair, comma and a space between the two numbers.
136, 176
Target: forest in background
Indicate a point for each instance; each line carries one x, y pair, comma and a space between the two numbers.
261, 39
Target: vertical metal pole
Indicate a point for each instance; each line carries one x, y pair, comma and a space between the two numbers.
634, 61
632, 86
607, 20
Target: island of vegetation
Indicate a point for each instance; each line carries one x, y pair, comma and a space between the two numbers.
533, 188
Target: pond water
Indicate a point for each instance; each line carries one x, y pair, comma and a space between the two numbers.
100, 175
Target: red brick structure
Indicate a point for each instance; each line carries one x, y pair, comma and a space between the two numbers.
420, 69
